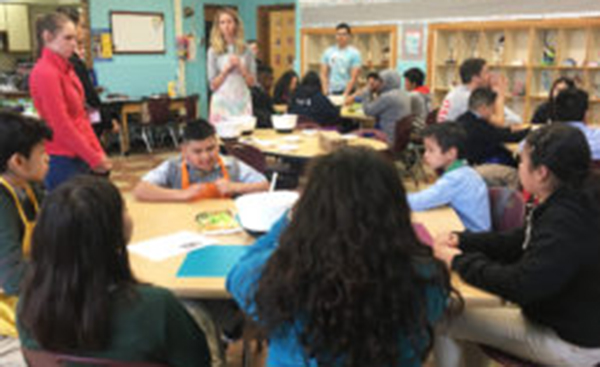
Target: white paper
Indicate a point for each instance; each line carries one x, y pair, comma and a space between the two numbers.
161, 248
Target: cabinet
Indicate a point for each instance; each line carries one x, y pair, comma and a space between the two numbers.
530, 53
377, 47
17, 28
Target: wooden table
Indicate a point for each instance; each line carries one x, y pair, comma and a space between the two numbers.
306, 143
154, 220
129, 107
353, 112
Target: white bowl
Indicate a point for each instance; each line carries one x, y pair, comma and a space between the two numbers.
248, 123
228, 129
259, 211
284, 122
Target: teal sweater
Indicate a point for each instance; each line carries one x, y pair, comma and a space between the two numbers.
285, 349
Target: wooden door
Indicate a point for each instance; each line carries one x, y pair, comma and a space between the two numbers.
277, 37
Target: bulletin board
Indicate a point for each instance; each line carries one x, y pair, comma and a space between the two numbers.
137, 33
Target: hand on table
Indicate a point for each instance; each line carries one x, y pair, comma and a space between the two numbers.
445, 248
226, 187
192, 192
104, 167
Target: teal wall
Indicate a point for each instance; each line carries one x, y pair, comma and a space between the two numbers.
136, 75
141, 75
196, 80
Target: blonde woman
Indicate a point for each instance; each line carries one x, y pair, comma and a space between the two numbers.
231, 68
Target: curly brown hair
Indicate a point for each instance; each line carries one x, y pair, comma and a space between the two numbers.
350, 269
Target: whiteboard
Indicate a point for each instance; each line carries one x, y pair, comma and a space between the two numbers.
137, 32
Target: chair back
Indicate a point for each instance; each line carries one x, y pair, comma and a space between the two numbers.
157, 111
402, 134
191, 107
308, 125
596, 165
508, 208
432, 117
37, 358
248, 154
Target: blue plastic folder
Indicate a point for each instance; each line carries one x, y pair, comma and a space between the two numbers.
211, 261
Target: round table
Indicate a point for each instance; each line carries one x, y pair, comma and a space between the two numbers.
300, 144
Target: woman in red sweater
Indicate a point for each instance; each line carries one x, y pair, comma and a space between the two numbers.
59, 98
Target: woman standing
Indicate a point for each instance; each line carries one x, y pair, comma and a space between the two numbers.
231, 68
59, 98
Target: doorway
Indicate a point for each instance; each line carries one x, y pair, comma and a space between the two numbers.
277, 37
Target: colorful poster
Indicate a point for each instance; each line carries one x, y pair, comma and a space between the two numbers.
412, 45
102, 45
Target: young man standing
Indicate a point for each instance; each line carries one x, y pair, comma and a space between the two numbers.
340, 64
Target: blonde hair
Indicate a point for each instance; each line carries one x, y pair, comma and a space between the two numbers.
217, 42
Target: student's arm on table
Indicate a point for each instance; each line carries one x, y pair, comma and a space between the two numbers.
244, 180
439, 194
155, 186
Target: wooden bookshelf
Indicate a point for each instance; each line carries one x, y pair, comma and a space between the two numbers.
516, 49
377, 46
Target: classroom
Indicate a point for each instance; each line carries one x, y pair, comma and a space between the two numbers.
261, 183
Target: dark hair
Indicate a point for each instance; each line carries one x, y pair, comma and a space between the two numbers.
552, 99
448, 134
482, 96
282, 92
571, 104
373, 75
311, 83
18, 135
343, 26
199, 129
78, 260
415, 76
264, 69
350, 267
71, 13
51, 22
564, 150
471, 68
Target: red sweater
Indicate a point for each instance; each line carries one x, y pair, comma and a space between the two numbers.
59, 98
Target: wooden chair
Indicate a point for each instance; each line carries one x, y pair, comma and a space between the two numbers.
36, 358
432, 117
405, 151
508, 208
248, 154
156, 115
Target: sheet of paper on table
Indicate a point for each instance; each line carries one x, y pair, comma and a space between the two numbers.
161, 248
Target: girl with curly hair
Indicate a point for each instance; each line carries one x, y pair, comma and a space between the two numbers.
342, 280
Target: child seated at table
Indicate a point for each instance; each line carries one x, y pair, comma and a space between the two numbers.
199, 172
548, 267
342, 280
80, 297
485, 141
23, 166
460, 186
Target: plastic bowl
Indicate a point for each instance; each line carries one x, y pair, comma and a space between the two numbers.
259, 211
229, 129
284, 123
248, 123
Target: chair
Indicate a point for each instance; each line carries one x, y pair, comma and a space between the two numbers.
248, 154
596, 165
504, 359
191, 108
156, 114
432, 117
37, 358
405, 151
508, 208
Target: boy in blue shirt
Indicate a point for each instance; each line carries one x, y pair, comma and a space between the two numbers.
460, 186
